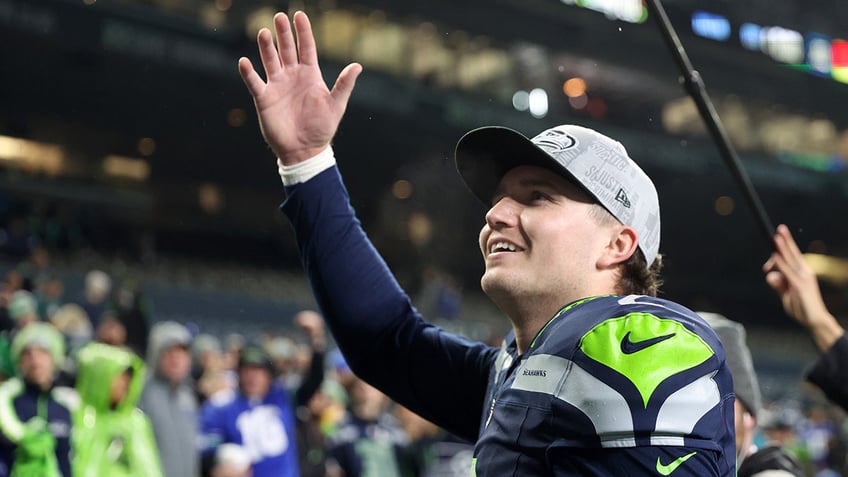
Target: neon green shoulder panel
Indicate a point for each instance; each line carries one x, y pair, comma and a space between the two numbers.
644, 348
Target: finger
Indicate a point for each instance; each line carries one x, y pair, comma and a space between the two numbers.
285, 40
776, 281
345, 83
769, 265
788, 271
250, 77
784, 249
268, 53
307, 51
784, 232
793, 258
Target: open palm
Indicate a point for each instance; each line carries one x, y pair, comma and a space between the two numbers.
298, 114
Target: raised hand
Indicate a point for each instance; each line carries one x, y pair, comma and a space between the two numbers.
313, 325
298, 114
796, 284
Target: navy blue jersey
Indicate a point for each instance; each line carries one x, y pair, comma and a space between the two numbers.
611, 386
606, 381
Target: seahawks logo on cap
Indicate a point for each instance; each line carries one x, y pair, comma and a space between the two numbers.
555, 141
621, 197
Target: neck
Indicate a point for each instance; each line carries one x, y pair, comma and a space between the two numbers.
530, 314
528, 317
258, 395
40, 387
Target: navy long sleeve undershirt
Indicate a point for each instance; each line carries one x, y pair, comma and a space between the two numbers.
441, 376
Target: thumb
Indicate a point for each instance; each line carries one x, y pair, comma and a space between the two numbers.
345, 83
776, 280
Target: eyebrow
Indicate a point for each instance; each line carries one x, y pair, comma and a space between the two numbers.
528, 183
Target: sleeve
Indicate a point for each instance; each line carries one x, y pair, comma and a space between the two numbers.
212, 429
440, 376
314, 378
829, 372
144, 455
63, 452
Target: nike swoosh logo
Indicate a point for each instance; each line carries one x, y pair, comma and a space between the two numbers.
673, 465
630, 347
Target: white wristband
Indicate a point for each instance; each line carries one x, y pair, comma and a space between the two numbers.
303, 171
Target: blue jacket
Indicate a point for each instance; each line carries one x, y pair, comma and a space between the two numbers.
611, 386
265, 428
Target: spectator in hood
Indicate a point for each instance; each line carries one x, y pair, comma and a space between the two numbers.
169, 399
112, 437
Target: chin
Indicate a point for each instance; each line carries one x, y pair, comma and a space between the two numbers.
496, 286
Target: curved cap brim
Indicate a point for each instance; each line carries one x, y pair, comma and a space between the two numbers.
485, 154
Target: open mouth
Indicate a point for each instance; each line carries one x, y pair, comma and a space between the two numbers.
503, 246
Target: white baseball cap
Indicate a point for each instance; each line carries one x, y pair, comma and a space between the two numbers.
599, 164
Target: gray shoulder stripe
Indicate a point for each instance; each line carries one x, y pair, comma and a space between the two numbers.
603, 405
686, 406
607, 409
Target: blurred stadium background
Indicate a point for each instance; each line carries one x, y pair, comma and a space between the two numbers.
128, 143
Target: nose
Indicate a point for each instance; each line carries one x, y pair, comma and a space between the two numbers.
503, 213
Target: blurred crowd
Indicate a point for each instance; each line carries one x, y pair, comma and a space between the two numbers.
96, 385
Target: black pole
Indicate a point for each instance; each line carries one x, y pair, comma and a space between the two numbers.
694, 85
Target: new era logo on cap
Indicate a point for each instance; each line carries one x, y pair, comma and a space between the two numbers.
621, 198
598, 163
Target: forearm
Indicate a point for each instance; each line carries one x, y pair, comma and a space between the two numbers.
825, 330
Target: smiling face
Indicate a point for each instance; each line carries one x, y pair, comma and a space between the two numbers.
542, 240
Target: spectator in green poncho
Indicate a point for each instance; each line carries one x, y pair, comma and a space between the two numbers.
111, 435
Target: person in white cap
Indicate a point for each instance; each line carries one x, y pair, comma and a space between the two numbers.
596, 378
169, 400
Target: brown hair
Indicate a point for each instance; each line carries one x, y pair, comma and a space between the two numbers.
635, 276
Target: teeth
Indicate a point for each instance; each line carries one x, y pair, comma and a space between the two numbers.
502, 246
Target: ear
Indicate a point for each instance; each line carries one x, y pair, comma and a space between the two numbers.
622, 244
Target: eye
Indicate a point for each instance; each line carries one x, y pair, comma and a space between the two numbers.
538, 195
